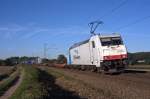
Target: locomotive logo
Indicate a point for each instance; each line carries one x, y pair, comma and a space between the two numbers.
76, 56
76, 51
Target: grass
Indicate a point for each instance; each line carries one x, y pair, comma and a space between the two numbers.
8, 82
59, 74
38, 84
31, 87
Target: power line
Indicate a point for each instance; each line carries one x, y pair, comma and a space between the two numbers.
111, 11
108, 13
133, 23
115, 8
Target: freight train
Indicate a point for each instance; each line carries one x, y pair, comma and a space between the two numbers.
99, 53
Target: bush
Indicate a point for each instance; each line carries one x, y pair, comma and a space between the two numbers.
61, 59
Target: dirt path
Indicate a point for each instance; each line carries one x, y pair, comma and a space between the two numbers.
12, 89
130, 85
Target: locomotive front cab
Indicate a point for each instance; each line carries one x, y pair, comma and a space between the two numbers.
114, 53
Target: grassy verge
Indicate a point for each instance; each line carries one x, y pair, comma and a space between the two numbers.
60, 74
55, 90
6, 83
31, 87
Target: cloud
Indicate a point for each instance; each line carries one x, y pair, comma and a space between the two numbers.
21, 31
8, 32
34, 31
31, 30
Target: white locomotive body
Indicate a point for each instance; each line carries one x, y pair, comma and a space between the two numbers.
100, 52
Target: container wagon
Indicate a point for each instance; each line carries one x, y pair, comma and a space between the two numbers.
99, 53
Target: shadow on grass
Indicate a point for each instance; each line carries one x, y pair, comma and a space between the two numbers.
3, 76
9, 84
127, 72
54, 90
134, 71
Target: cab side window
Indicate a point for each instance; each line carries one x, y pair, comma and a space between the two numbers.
93, 44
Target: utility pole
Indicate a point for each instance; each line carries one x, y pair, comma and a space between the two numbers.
45, 50
32, 54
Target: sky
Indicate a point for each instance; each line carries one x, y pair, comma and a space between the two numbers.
27, 25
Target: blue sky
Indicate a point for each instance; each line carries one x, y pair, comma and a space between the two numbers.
25, 25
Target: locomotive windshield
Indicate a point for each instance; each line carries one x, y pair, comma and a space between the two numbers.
107, 41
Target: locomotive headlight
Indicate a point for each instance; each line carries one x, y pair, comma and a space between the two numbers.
124, 56
106, 57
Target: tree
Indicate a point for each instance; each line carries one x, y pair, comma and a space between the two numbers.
61, 59
135, 57
12, 61
2, 63
44, 60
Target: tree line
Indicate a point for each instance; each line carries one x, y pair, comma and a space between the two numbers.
133, 59
61, 59
139, 58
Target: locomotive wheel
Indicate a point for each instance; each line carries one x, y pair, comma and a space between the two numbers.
106, 69
82, 67
93, 69
99, 70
